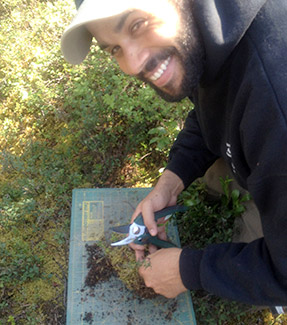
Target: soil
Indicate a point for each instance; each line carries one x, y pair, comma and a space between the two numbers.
88, 318
99, 266
101, 269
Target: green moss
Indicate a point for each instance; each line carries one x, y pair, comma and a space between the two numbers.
37, 292
35, 266
122, 259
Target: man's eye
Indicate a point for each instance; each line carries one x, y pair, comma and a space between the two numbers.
138, 24
115, 50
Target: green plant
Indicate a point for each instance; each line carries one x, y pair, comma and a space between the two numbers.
11, 320
18, 263
209, 221
62, 127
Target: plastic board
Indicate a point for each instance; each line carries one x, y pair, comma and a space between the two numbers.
94, 211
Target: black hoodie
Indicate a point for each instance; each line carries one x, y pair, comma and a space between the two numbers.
241, 115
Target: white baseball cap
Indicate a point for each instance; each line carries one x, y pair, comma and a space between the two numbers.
76, 39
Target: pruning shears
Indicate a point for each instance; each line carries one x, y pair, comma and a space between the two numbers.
138, 233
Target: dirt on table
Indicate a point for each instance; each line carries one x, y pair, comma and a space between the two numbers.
88, 318
103, 262
99, 266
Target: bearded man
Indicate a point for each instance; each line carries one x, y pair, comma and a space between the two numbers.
229, 58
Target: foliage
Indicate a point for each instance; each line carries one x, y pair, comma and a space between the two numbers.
122, 260
18, 263
62, 127
208, 219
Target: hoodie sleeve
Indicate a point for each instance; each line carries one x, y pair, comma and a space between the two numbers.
189, 157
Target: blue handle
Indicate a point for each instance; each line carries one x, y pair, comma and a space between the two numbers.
162, 213
147, 238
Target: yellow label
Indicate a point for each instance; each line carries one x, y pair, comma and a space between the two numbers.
93, 226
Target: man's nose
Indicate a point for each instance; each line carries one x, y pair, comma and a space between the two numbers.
134, 59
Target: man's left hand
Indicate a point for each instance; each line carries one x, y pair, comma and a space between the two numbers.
160, 271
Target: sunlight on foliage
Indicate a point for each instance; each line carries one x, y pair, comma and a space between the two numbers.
62, 127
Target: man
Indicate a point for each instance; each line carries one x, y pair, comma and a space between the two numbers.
229, 58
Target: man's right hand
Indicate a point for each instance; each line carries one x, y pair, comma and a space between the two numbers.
164, 194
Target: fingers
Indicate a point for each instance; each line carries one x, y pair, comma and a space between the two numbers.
136, 212
162, 233
137, 247
140, 255
161, 196
152, 249
139, 251
146, 208
148, 215
163, 273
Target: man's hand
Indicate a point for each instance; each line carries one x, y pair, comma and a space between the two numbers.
160, 271
163, 195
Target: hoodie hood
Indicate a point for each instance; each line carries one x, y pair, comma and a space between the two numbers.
222, 23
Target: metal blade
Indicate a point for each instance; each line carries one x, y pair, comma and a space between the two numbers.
121, 229
125, 241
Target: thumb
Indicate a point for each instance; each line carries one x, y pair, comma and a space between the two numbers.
149, 221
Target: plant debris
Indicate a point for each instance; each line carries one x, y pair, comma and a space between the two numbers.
88, 318
104, 261
123, 262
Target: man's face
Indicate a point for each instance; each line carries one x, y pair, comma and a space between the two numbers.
157, 50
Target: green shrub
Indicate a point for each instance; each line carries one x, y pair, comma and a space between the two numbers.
209, 220
62, 127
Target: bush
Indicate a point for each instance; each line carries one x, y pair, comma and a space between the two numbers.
62, 127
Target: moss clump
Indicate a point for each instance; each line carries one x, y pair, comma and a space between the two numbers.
104, 260
33, 273
123, 261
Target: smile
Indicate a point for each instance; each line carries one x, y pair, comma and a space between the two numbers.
160, 70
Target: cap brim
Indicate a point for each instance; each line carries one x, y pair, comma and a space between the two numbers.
75, 44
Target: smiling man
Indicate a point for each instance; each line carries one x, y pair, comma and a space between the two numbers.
229, 58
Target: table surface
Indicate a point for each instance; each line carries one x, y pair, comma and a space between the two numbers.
94, 211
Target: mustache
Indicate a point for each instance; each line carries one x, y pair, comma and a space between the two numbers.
155, 60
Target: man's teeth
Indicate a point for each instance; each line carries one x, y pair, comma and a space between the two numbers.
160, 71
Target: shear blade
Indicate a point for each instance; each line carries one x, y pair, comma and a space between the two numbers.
121, 229
125, 241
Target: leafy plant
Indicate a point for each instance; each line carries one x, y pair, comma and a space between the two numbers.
62, 127
18, 263
209, 220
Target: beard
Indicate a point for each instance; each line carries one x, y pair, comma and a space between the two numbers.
189, 51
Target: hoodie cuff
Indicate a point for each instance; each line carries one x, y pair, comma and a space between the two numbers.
189, 267
186, 179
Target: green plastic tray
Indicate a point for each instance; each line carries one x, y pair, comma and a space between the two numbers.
93, 213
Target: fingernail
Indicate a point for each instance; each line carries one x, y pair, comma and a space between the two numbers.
152, 232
